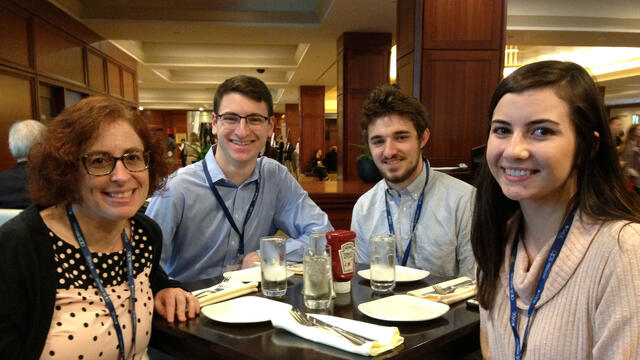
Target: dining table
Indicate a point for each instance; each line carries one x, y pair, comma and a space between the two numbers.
454, 335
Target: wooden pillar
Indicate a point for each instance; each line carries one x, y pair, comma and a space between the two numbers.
311, 123
450, 55
292, 116
363, 64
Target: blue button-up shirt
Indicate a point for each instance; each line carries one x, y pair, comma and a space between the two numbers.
199, 242
442, 244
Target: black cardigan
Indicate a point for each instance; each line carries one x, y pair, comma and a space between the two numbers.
28, 282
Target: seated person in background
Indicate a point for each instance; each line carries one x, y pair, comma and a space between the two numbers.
192, 148
631, 158
331, 159
316, 167
615, 125
427, 211
215, 211
13, 182
72, 266
555, 234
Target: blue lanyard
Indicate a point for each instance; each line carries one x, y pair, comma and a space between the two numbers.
226, 211
416, 216
107, 300
554, 252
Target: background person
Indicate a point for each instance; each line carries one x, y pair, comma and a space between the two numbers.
84, 246
215, 211
13, 182
631, 158
429, 211
550, 196
316, 167
192, 149
331, 159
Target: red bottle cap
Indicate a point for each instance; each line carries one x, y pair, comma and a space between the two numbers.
341, 235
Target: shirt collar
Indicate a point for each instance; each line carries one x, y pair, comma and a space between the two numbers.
415, 188
217, 176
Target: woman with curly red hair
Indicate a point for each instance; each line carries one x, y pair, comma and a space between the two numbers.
80, 271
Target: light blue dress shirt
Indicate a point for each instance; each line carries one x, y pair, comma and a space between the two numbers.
198, 240
442, 244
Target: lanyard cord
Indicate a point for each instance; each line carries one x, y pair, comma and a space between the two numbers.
551, 258
107, 300
416, 217
226, 211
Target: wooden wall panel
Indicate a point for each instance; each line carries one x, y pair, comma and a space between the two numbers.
463, 24
405, 27
363, 60
57, 54
404, 71
114, 79
14, 38
15, 105
459, 118
292, 116
129, 85
311, 123
95, 67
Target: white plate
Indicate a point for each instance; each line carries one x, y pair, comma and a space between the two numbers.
403, 274
403, 308
250, 274
244, 310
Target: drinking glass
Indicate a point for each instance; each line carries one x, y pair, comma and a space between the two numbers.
273, 265
317, 278
383, 263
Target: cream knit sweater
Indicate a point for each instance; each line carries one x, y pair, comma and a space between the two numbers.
590, 306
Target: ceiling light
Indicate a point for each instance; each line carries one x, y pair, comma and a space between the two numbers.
200, 109
140, 108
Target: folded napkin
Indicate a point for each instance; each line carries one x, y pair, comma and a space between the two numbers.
232, 289
387, 337
459, 294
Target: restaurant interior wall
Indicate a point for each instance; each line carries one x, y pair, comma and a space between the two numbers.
49, 61
452, 69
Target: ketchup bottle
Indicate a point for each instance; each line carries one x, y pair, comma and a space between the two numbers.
343, 258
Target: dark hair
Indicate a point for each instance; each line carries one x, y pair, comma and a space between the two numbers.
54, 165
631, 134
249, 86
388, 99
600, 191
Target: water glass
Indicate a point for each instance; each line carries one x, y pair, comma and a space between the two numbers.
382, 251
317, 278
273, 266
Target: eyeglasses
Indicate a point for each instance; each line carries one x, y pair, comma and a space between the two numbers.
103, 163
233, 120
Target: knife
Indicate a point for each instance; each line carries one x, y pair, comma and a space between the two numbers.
361, 338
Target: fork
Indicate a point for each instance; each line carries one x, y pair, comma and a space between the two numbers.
450, 289
306, 320
221, 286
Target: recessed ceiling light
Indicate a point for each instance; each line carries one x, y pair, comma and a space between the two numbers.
200, 109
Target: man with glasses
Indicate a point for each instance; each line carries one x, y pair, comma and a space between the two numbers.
214, 212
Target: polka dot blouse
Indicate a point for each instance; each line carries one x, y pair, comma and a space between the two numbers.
82, 327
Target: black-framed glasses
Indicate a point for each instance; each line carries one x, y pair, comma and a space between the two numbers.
233, 120
103, 163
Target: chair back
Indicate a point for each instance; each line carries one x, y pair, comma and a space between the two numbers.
7, 214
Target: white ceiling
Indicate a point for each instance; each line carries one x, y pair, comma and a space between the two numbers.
186, 48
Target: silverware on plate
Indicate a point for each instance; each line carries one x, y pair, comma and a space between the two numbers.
449, 289
221, 286
306, 320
